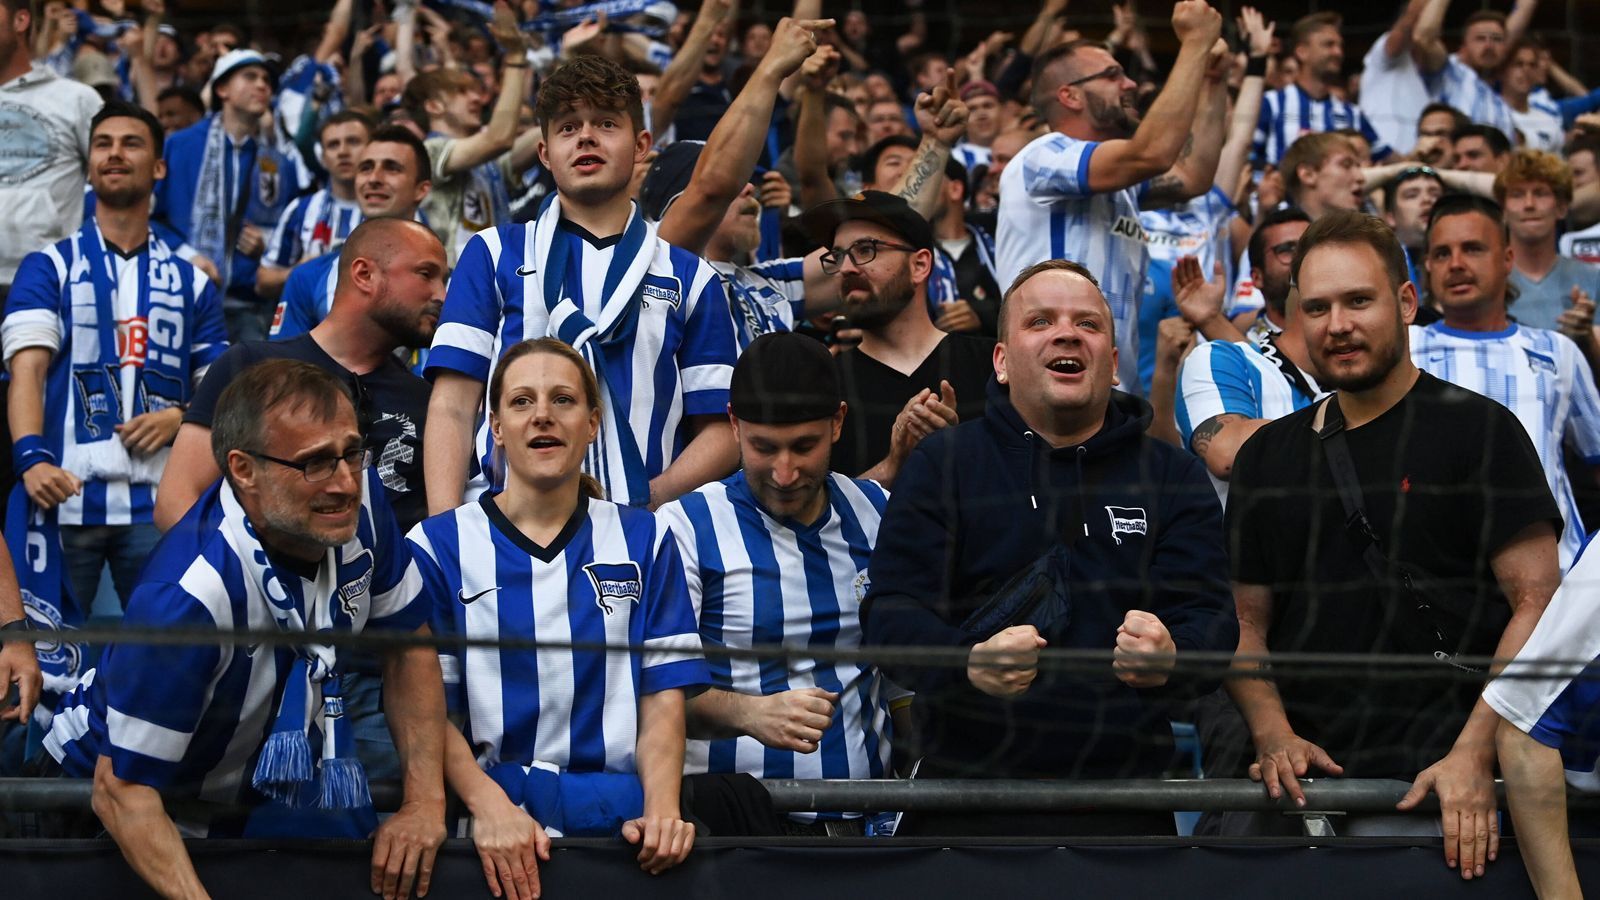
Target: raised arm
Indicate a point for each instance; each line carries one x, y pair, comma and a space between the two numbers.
1198, 162
1247, 106
405, 41
334, 33
943, 120
733, 147
811, 129
1398, 40
1033, 39
684, 70
1518, 21
1161, 138
500, 134
1427, 37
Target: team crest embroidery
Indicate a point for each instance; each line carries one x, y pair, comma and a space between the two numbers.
663, 288
614, 584
861, 584
1126, 520
353, 589
1540, 362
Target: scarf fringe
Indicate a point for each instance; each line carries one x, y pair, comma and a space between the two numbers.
343, 785
284, 766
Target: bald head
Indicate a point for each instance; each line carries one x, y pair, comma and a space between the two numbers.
379, 240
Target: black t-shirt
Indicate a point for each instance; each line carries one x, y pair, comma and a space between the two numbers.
876, 393
1447, 477
391, 405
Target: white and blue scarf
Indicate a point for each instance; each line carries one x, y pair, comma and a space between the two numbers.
612, 330
264, 192
311, 695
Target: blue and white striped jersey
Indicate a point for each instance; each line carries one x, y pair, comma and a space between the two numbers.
764, 297
127, 335
671, 356
1289, 112
611, 577
307, 297
314, 224
1196, 227
972, 156
1221, 377
194, 717
1047, 211
760, 581
1562, 709
1540, 376
1458, 85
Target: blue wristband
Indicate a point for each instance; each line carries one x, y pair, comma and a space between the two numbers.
29, 451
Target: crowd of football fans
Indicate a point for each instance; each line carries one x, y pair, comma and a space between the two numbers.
556, 326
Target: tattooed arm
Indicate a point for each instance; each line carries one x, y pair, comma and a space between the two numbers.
1196, 168
1217, 441
943, 118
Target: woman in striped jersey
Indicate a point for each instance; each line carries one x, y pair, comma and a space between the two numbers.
560, 741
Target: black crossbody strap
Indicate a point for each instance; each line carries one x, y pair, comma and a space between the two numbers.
1337, 451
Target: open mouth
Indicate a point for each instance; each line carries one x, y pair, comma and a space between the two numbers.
588, 162
545, 442
1065, 366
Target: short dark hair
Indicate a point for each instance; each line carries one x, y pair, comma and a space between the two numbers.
1258, 237
832, 101
122, 109
1485, 15
345, 116
1457, 117
1391, 191
182, 92
868, 161
1044, 89
1583, 142
1039, 268
1343, 226
1499, 144
239, 421
399, 134
594, 79
1460, 204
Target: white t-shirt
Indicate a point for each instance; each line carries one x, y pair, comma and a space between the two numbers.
44, 159
1392, 95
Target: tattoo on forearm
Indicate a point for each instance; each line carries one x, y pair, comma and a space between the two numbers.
924, 166
1165, 187
1188, 148
1208, 430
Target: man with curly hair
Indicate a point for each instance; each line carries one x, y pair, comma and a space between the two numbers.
651, 318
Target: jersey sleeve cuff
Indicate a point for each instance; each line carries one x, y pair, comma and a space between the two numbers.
681, 674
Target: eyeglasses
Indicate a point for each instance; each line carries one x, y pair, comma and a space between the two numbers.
321, 468
1114, 73
860, 253
1285, 250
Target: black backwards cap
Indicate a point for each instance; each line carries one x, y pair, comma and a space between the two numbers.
783, 378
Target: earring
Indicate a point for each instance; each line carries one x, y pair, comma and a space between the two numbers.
1000, 377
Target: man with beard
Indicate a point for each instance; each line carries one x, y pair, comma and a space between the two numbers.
1538, 374
391, 179
1442, 544
106, 336
906, 379
1075, 192
391, 288
1307, 105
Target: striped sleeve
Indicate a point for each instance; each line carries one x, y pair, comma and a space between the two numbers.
298, 310
151, 721
672, 657
1266, 122
1216, 379
1057, 167
283, 251
706, 357
675, 519
33, 305
464, 340
397, 602
1583, 425
1380, 150
210, 335
440, 603
788, 277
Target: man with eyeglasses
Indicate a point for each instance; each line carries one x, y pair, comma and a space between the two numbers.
391, 287
297, 538
906, 379
1075, 192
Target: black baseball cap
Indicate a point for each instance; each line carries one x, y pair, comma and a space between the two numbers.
889, 210
783, 378
668, 178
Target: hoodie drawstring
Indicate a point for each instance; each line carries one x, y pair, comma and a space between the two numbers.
1083, 510
1033, 465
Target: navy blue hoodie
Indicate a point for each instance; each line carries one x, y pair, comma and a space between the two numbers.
977, 503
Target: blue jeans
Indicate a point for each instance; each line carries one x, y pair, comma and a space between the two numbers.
89, 548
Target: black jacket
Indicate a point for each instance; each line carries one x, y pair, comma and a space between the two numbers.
1142, 529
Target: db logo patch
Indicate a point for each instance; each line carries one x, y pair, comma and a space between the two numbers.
1126, 520
133, 340
614, 584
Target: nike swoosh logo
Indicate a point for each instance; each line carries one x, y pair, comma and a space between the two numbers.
466, 600
524, 271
